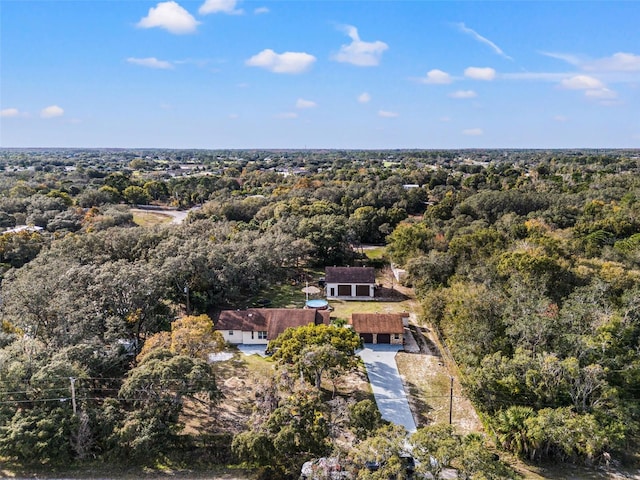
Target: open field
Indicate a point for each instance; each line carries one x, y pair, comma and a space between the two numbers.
428, 383
150, 219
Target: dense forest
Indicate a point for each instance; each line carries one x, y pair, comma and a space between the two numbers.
527, 264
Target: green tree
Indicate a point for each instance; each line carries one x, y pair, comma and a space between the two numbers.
154, 393
135, 195
435, 447
384, 449
296, 430
313, 350
193, 336
364, 418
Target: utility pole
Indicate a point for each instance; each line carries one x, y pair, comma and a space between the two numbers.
73, 394
451, 401
186, 292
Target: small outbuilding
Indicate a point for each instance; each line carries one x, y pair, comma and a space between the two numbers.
350, 283
379, 327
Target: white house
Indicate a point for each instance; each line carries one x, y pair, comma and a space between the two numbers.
350, 283
257, 326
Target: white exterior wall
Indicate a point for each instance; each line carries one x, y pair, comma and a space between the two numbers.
239, 337
234, 339
247, 340
353, 290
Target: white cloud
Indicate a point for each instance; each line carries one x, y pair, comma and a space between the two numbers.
387, 114
445, 119
9, 112
51, 111
474, 132
359, 53
302, 103
565, 57
151, 62
593, 88
618, 62
534, 76
436, 76
601, 94
287, 62
200, 63
478, 73
233, 116
463, 94
463, 28
286, 115
261, 11
560, 118
364, 97
170, 16
581, 82
220, 6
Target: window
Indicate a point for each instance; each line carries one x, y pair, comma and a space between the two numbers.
262, 335
230, 333
396, 336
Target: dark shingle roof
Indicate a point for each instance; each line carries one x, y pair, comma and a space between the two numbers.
350, 275
272, 320
377, 322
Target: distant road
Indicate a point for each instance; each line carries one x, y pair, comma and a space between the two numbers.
177, 216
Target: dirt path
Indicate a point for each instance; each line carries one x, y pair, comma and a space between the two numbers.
427, 372
177, 216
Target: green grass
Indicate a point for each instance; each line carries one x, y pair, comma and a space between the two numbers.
150, 219
286, 294
429, 384
125, 471
343, 309
376, 253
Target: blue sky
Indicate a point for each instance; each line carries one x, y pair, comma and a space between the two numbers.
319, 74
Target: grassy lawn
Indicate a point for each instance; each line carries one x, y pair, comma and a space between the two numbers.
149, 219
374, 253
343, 309
429, 385
124, 472
286, 294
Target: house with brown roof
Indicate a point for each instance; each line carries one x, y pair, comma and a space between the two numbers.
257, 326
379, 327
350, 283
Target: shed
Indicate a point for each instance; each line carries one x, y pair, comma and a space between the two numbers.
350, 283
379, 327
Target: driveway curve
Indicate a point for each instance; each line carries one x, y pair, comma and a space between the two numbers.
386, 383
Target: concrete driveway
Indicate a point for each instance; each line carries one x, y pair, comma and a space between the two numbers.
388, 390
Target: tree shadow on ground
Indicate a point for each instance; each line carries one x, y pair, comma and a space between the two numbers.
389, 294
